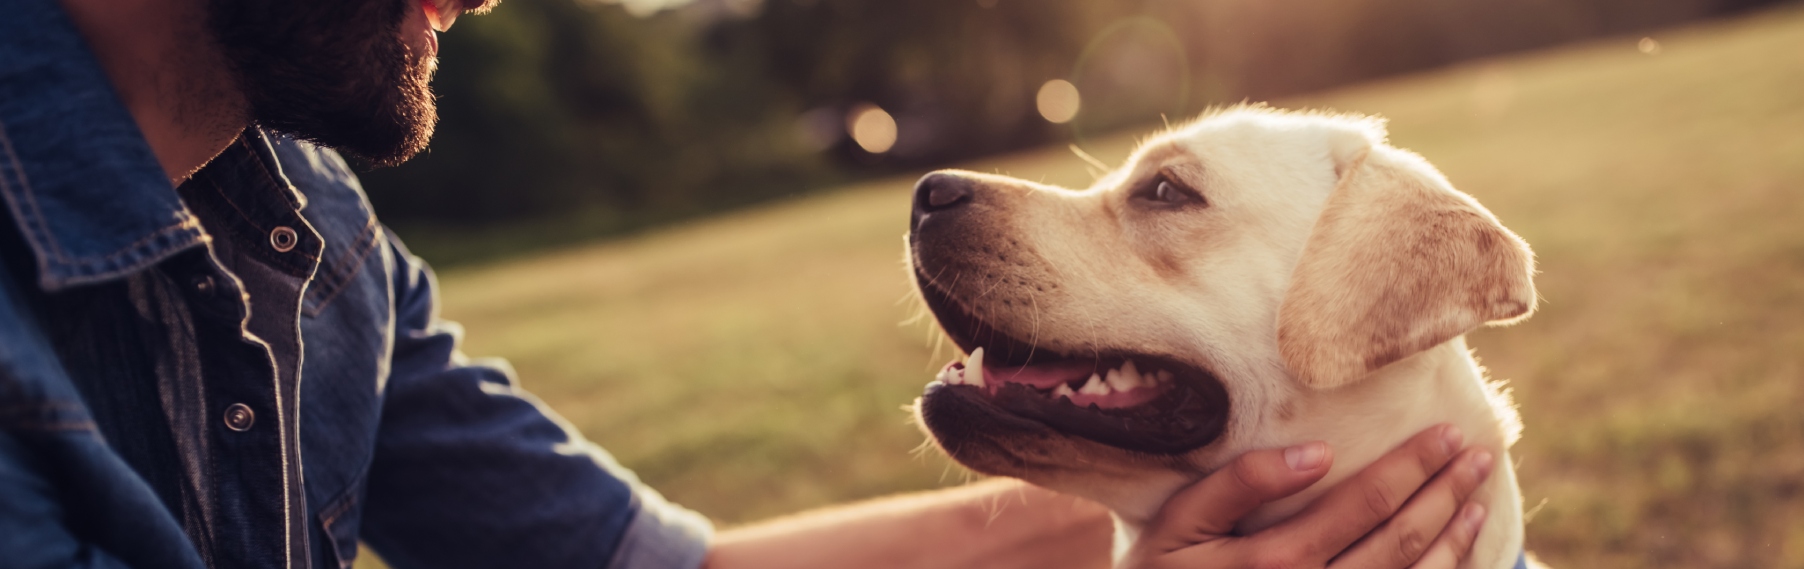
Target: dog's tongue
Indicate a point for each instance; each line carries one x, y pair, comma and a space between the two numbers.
1124, 387
1045, 376
1039, 376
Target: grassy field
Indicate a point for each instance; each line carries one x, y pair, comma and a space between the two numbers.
755, 364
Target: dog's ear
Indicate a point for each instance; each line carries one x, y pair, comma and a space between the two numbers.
1398, 262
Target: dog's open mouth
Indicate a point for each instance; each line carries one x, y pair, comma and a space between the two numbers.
1135, 401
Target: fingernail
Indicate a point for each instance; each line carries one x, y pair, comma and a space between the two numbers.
1481, 463
1451, 438
1473, 517
1306, 456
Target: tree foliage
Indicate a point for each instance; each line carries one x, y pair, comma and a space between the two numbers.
578, 116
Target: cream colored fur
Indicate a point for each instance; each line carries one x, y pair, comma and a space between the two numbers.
1398, 262
1328, 284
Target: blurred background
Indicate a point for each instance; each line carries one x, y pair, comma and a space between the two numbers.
572, 119
681, 221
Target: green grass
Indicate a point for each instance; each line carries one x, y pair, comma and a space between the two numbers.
755, 364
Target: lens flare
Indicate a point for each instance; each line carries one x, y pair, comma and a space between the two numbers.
1058, 101
872, 128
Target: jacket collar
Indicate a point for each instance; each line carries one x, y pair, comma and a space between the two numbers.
77, 178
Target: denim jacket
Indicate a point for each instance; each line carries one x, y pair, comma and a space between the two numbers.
249, 370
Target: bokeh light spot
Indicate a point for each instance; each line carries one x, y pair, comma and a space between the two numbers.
1648, 46
1058, 101
872, 128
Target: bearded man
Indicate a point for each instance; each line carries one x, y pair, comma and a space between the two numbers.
213, 355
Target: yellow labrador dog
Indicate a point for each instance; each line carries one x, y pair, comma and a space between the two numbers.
1255, 279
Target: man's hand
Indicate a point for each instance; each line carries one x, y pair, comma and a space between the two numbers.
1408, 509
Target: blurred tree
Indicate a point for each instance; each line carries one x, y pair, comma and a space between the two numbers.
558, 109
565, 119
958, 75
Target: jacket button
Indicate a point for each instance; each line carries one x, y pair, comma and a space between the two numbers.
239, 417
283, 239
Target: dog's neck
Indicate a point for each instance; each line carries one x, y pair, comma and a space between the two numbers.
1440, 385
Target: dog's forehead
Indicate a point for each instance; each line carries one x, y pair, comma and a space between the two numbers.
1242, 136
1253, 153
1259, 131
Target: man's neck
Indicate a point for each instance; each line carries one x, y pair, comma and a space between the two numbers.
173, 79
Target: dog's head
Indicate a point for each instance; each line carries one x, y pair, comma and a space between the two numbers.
1135, 335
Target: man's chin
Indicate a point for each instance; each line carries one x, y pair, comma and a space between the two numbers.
383, 132
379, 142
404, 127
341, 78
393, 148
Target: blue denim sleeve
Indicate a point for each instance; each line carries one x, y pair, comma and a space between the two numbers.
470, 470
32, 530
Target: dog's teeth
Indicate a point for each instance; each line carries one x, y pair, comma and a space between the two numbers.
949, 376
1125, 379
1117, 381
1062, 391
974, 368
1096, 386
1163, 376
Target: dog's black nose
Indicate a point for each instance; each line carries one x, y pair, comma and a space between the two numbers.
939, 191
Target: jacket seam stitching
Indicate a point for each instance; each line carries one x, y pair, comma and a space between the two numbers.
262, 231
342, 271
31, 216
25, 193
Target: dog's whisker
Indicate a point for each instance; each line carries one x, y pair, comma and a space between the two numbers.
939, 340
1099, 167
947, 469
1033, 338
921, 450
1529, 515
996, 508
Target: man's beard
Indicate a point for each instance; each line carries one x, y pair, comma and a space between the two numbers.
335, 72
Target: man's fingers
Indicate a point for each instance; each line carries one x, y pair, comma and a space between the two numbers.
1423, 519
1360, 503
1210, 508
1456, 541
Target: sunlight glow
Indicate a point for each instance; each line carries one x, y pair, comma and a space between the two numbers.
872, 128
647, 8
1058, 101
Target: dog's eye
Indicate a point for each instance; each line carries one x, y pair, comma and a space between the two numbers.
1165, 193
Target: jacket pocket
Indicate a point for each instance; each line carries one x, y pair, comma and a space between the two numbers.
340, 520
